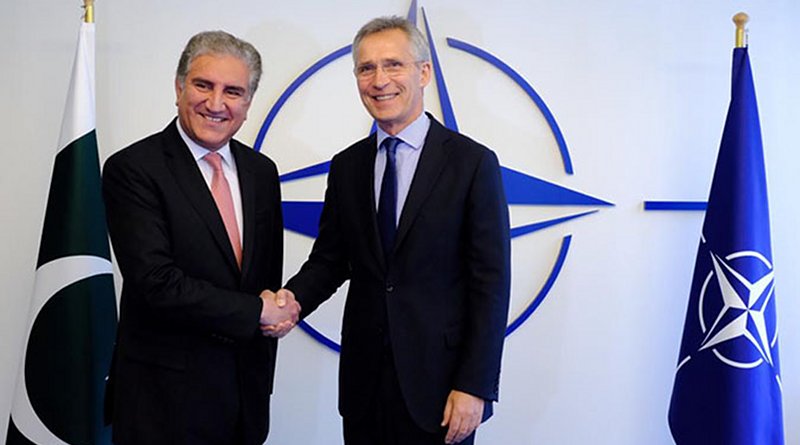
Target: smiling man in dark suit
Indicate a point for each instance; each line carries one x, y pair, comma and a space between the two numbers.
195, 221
416, 218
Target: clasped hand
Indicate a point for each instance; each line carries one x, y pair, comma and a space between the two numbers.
279, 314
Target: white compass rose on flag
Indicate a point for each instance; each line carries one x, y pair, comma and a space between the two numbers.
742, 330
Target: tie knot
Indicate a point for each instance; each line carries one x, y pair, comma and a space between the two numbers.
215, 160
390, 144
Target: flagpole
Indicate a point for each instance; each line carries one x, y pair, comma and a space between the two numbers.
741, 20
88, 6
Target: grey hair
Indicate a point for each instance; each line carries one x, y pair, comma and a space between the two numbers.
419, 46
220, 43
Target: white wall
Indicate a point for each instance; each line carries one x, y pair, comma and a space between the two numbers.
640, 90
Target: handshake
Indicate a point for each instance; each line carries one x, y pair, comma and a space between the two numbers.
279, 312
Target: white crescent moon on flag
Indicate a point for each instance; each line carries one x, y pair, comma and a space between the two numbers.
50, 279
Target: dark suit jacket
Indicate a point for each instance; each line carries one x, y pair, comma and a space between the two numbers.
190, 366
441, 303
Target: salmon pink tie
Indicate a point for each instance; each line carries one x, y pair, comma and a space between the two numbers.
222, 196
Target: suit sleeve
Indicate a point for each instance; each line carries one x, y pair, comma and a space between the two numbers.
275, 279
327, 266
488, 250
142, 246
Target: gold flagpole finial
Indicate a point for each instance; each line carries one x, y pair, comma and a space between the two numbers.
740, 19
88, 15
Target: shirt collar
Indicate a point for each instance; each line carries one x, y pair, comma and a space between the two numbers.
199, 151
413, 135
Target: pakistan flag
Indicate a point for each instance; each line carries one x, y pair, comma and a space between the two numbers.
72, 322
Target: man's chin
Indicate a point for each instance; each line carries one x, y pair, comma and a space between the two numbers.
211, 143
214, 136
382, 118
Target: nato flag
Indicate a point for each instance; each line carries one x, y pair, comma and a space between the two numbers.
727, 383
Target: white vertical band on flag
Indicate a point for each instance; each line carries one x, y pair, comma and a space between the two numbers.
79, 113
50, 279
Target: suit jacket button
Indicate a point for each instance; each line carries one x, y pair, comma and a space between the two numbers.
389, 288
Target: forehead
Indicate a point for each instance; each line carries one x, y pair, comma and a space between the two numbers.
223, 68
392, 43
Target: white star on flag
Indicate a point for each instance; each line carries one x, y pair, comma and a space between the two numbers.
760, 291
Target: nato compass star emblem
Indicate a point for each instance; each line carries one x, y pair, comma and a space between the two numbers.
523, 191
734, 309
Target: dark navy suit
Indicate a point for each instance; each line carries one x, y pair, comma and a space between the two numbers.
439, 304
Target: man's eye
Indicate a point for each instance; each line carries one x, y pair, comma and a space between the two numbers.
366, 69
394, 67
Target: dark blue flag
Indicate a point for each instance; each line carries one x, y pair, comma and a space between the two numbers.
727, 383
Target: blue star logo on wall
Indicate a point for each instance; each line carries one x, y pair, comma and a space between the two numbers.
302, 217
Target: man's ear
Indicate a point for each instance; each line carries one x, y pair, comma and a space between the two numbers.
178, 90
426, 71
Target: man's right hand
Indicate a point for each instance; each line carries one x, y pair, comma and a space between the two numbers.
279, 314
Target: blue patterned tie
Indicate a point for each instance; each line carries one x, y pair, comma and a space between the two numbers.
387, 203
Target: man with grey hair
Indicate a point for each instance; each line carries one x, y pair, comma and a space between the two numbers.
416, 218
195, 221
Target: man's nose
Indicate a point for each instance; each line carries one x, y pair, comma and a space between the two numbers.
215, 101
381, 76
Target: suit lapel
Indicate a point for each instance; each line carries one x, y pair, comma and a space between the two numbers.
365, 189
247, 189
191, 182
431, 162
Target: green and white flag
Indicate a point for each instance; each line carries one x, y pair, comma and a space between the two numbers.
72, 325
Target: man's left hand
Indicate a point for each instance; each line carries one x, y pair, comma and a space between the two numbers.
462, 415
